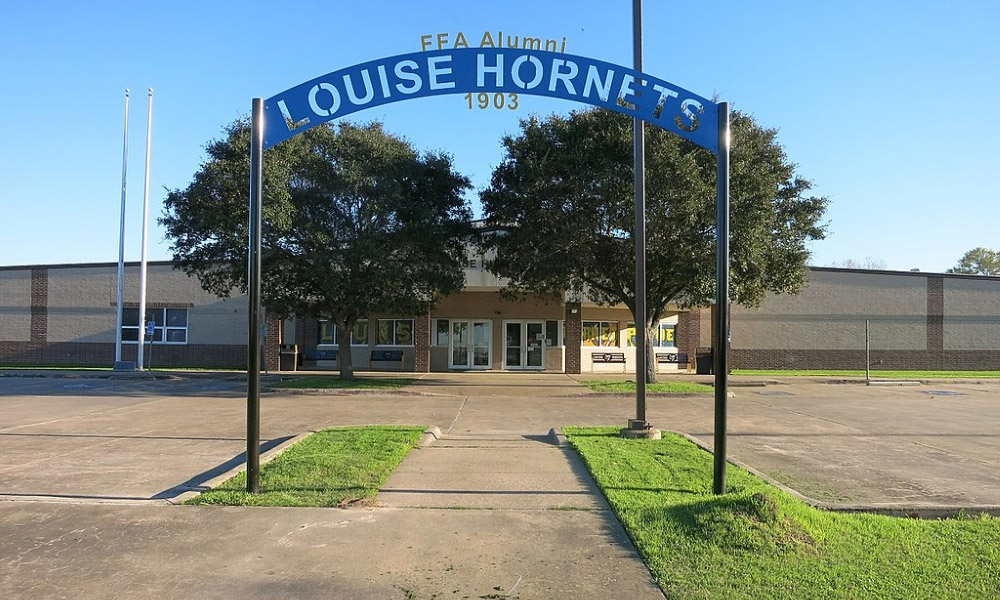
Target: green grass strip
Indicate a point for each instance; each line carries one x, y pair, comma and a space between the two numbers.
861, 373
758, 542
333, 382
333, 467
660, 387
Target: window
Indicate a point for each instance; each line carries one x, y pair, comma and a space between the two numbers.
600, 333
441, 333
663, 336
328, 332
394, 332
552, 333
171, 325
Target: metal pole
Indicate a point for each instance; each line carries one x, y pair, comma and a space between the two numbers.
121, 244
145, 234
253, 298
721, 346
868, 353
639, 155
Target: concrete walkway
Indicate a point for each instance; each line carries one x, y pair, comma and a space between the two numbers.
494, 509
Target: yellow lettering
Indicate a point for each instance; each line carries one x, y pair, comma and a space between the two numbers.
460, 41
442, 39
425, 42
487, 41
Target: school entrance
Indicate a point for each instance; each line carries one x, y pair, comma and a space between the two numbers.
469, 345
524, 345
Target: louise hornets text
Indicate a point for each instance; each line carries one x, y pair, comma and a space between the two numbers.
460, 71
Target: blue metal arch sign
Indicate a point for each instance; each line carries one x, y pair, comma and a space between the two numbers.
491, 70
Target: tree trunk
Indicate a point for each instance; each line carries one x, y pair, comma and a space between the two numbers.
650, 352
344, 359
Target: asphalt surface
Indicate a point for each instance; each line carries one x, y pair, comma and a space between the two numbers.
90, 466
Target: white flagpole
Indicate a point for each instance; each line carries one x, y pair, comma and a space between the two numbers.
145, 235
121, 244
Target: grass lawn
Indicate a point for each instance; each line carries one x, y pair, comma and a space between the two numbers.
333, 382
757, 542
880, 374
333, 467
623, 387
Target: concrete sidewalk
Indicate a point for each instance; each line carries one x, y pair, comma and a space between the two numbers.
492, 508
495, 509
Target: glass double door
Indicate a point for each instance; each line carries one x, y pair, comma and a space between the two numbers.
524, 345
469, 345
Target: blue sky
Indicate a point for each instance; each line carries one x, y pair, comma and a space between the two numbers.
890, 108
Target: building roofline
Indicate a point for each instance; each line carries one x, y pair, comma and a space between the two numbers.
151, 263
170, 263
907, 273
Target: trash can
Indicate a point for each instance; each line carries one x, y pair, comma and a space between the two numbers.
703, 361
288, 358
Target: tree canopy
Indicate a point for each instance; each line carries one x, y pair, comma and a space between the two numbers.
978, 261
563, 198
355, 223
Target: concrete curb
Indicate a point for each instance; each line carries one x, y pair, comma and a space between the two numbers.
891, 509
557, 437
431, 435
265, 458
142, 376
346, 392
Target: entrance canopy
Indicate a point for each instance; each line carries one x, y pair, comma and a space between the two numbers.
493, 71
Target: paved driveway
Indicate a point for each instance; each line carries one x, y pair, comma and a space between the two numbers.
141, 440
89, 465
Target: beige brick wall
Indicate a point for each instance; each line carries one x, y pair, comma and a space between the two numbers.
79, 308
81, 304
830, 314
15, 305
972, 314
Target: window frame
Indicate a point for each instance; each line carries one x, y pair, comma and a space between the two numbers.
162, 331
612, 327
319, 333
395, 332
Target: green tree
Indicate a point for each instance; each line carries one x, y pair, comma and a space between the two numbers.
355, 222
978, 261
563, 197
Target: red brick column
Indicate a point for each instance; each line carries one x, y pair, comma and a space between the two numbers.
573, 338
39, 305
422, 344
688, 333
272, 343
935, 323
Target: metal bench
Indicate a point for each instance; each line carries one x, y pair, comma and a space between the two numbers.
672, 358
607, 357
387, 356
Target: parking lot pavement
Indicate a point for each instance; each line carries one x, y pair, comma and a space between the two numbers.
849, 443
931, 444
138, 439
72, 447
107, 440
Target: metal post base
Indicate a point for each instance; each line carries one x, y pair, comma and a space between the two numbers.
640, 430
